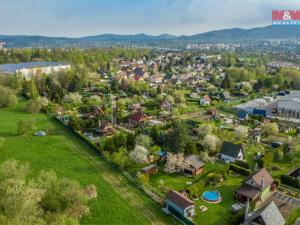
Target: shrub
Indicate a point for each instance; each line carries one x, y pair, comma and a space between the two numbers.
240, 170
270, 129
242, 164
196, 189
7, 97
214, 178
143, 178
291, 181
33, 106
237, 218
266, 160
26, 126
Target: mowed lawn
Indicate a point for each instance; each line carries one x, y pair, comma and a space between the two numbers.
218, 213
118, 201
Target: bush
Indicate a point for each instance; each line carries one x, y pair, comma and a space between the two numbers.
196, 189
242, 164
277, 183
240, 170
26, 126
7, 97
33, 106
143, 178
290, 181
214, 178
266, 160
237, 218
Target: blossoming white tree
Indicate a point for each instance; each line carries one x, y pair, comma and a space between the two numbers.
139, 155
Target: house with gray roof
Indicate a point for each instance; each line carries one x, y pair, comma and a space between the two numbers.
268, 215
231, 152
193, 166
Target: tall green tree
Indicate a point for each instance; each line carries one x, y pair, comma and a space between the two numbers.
33, 91
226, 84
178, 136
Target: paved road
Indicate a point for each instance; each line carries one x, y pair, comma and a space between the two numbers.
279, 196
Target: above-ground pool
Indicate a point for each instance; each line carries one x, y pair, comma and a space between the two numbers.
211, 196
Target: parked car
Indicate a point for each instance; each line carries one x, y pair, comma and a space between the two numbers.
276, 144
40, 133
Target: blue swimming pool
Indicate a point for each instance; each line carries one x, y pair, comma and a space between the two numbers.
211, 196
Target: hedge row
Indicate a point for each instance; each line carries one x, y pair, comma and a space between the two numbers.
240, 170
242, 164
290, 181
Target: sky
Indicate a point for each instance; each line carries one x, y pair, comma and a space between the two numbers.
76, 18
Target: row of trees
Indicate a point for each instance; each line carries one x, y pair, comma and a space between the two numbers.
90, 59
46, 200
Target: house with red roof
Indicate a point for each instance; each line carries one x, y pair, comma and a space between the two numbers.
95, 111
137, 117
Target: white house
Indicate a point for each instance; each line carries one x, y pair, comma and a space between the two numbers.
231, 152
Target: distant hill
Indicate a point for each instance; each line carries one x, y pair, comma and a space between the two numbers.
226, 35
261, 33
137, 38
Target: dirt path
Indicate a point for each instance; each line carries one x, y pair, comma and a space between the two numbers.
120, 184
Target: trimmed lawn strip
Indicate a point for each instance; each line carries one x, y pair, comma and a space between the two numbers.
68, 157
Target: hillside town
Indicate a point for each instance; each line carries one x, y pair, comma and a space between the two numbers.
201, 134
161, 112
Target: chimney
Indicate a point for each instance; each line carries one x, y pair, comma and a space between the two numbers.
262, 182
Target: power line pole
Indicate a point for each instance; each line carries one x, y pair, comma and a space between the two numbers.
114, 109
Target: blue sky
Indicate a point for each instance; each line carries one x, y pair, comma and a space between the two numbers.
89, 17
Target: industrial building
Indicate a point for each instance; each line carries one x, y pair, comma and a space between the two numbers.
285, 106
27, 70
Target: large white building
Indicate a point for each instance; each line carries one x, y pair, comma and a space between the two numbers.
2, 44
285, 106
288, 106
27, 70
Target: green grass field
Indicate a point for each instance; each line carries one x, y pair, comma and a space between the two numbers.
118, 201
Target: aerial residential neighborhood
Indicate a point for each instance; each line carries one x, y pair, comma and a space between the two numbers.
179, 128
